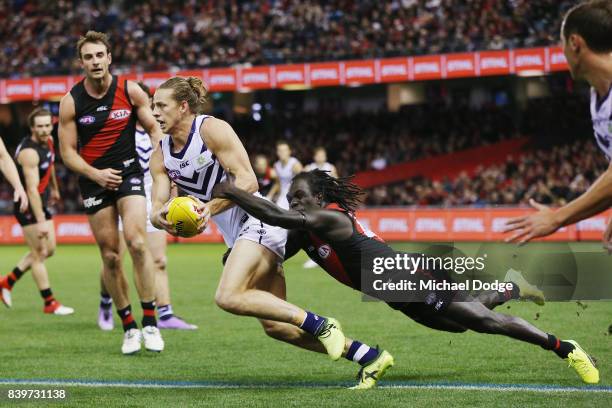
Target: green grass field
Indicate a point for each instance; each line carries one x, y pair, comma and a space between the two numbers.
233, 363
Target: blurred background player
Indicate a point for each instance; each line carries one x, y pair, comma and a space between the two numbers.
156, 241
320, 162
285, 168
199, 152
265, 174
35, 158
96, 131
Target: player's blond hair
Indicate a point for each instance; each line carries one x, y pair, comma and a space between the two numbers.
92, 37
190, 90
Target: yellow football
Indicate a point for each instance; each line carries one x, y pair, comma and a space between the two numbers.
183, 214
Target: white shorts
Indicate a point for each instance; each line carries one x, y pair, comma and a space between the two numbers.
150, 227
235, 224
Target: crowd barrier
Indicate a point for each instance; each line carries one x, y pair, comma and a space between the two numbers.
391, 224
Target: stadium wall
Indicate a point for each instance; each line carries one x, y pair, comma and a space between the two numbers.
391, 224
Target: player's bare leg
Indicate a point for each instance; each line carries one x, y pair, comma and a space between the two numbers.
477, 317
237, 294
157, 243
40, 250
104, 227
273, 281
134, 222
374, 362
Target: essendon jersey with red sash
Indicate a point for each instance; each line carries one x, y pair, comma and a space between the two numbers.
106, 127
46, 158
344, 260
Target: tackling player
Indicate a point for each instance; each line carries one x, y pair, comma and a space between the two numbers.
35, 158
96, 131
337, 242
198, 152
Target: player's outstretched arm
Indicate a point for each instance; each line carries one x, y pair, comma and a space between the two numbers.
160, 194
546, 221
225, 144
140, 100
67, 132
325, 222
10, 172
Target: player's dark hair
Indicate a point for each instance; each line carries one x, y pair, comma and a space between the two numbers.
93, 37
145, 88
283, 142
36, 113
190, 90
592, 20
341, 191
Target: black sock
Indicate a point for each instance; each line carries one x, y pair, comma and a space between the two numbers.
14, 276
148, 314
127, 319
106, 302
560, 347
514, 293
47, 295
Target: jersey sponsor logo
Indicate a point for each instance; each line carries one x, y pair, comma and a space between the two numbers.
136, 188
127, 163
87, 120
261, 231
203, 160
119, 114
324, 251
135, 180
91, 202
102, 108
184, 164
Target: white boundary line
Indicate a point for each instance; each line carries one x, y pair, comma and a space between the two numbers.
389, 385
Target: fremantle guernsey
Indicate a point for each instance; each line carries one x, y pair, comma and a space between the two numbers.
601, 116
106, 127
196, 170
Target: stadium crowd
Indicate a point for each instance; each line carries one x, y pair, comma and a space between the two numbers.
550, 176
39, 37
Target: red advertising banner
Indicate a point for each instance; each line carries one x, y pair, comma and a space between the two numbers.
349, 73
392, 224
325, 74
459, 65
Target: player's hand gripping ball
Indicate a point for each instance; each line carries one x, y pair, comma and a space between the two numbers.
188, 216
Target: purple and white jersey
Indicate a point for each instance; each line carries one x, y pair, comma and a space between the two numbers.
195, 169
144, 150
601, 116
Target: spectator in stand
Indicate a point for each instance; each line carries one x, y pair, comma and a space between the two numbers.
38, 37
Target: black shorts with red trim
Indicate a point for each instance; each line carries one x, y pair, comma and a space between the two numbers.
96, 197
27, 218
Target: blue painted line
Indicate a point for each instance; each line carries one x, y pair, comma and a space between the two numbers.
272, 385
